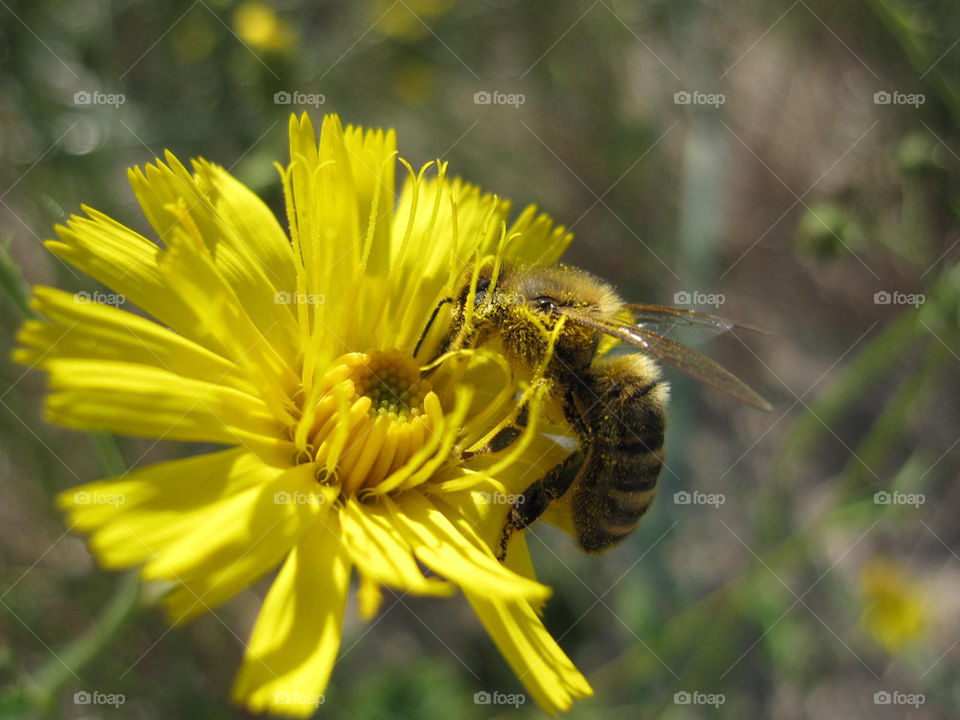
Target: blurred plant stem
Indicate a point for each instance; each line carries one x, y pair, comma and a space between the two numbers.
699, 235
48, 682
11, 280
906, 32
40, 691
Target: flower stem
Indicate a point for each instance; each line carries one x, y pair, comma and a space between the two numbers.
50, 679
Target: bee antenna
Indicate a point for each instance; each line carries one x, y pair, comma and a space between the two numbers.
433, 316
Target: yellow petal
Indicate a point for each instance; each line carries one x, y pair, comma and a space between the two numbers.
236, 541
247, 217
171, 197
479, 516
548, 674
89, 330
241, 526
376, 546
138, 400
442, 226
126, 262
297, 634
369, 596
327, 215
372, 163
439, 545
151, 500
533, 239
188, 266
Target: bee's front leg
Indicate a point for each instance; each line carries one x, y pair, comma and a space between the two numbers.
532, 503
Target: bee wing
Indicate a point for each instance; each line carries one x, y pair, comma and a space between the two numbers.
673, 353
661, 316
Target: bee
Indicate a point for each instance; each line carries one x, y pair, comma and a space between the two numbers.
616, 405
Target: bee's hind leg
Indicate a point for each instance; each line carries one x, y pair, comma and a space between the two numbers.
532, 503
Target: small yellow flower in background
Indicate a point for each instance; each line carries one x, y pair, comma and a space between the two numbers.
259, 27
296, 352
406, 20
894, 613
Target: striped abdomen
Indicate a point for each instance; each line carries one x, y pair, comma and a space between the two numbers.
620, 418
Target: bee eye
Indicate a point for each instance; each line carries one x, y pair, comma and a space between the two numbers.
544, 304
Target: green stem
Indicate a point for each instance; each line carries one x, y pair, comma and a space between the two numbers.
51, 679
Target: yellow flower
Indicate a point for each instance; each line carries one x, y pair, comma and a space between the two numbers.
258, 26
894, 613
297, 353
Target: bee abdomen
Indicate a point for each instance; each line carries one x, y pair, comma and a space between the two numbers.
621, 486
614, 516
632, 471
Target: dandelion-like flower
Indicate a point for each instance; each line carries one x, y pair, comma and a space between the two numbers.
298, 353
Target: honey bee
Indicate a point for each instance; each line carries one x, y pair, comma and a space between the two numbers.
616, 405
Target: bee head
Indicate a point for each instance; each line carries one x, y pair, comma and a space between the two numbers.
522, 307
544, 292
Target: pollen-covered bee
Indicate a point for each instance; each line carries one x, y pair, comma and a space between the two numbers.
615, 404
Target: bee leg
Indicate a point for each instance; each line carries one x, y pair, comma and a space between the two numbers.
504, 438
532, 503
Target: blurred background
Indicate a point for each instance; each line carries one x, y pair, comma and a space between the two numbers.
795, 166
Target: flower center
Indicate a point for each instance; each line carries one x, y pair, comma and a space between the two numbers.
372, 423
392, 382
